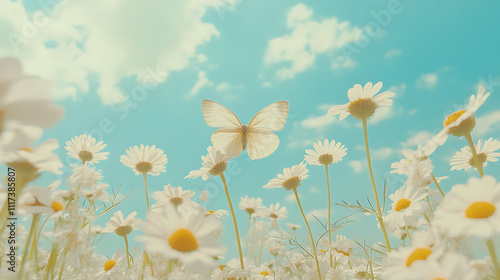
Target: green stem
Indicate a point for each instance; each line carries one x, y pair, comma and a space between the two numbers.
368, 159
477, 163
329, 216
34, 223
309, 229
234, 220
494, 259
146, 190
126, 247
437, 184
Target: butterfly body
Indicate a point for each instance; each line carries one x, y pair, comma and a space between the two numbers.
257, 138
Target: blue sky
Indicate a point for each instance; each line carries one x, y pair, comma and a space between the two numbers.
246, 55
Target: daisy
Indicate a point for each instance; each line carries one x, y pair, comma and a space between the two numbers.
363, 102
461, 122
471, 210
217, 213
188, 238
450, 266
214, 164
85, 148
342, 250
113, 267
325, 153
24, 100
37, 200
84, 176
253, 206
407, 206
145, 160
293, 226
123, 227
174, 195
290, 179
275, 212
35, 159
485, 153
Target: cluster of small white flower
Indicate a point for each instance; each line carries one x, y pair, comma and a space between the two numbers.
182, 239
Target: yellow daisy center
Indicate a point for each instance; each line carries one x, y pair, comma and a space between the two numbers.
144, 167
480, 210
291, 183
27, 150
453, 117
183, 240
418, 254
362, 108
403, 203
218, 169
250, 211
57, 206
222, 266
274, 216
326, 159
85, 156
109, 265
438, 279
123, 230
266, 273
176, 201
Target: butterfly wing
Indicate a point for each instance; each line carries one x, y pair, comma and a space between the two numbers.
228, 140
217, 115
273, 117
261, 143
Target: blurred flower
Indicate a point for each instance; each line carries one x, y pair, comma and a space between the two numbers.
290, 179
325, 153
214, 164
407, 206
145, 160
253, 206
37, 200
450, 266
293, 226
363, 102
471, 210
24, 99
84, 176
342, 250
84, 148
113, 268
187, 237
485, 153
218, 213
35, 159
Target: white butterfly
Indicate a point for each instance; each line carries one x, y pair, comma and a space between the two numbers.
257, 138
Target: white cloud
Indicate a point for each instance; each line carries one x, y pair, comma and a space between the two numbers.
344, 63
487, 123
307, 39
290, 198
314, 190
382, 153
393, 53
419, 138
110, 41
202, 58
318, 123
266, 84
398, 89
227, 86
202, 82
319, 213
357, 166
427, 81
384, 113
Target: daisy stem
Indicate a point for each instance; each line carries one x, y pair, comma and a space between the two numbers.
430, 204
437, 184
494, 259
126, 247
478, 164
329, 216
234, 220
248, 233
34, 223
368, 159
408, 233
146, 190
309, 229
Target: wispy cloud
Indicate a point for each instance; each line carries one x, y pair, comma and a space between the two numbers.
227, 86
357, 166
308, 38
427, 81
202, 82
393, 53
418, 138
487, 123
